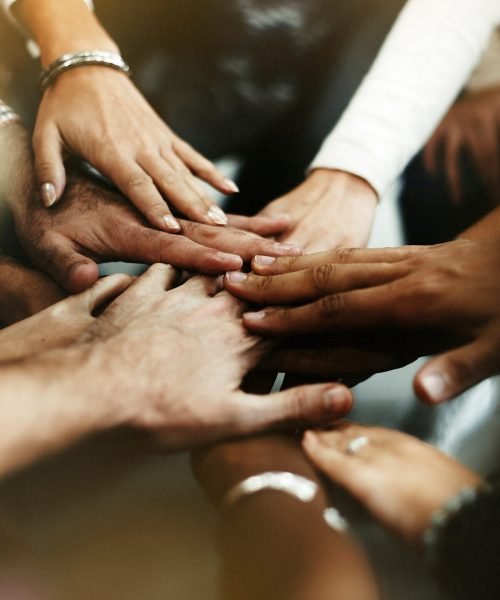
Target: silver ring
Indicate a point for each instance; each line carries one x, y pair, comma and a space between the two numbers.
356, 444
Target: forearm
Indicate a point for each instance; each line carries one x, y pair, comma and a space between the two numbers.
273, 545
424, 63
62, 27
487, 227
48, 403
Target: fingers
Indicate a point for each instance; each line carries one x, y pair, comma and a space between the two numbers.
207, 286
203, 168
261, 225
269, 265
105, 290
152, 246
180, 188
157, 278
454, 372
49, 165
245, 245
372, 308
430, 154
69, 268
303, 286
139, 187
311, 404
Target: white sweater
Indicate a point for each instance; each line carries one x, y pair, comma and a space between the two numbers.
424, 63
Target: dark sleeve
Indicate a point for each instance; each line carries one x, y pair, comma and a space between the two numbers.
467, 553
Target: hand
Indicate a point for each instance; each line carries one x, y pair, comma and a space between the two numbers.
24, 292
472, 128
60, 324
110, 124
329, 210
398, 478
93, 224
186, 352
452, 288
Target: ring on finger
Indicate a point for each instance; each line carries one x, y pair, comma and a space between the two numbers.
355, 445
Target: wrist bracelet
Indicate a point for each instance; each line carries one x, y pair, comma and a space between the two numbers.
294, 485
7, 114
79, 59
433, 534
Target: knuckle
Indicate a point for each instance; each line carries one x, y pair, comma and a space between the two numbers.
330, 306
137, 182
262, 283
323, 276
343, 255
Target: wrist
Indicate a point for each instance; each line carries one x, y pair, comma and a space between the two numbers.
338, 183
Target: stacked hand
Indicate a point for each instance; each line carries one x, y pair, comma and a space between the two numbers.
452, 288
398, 478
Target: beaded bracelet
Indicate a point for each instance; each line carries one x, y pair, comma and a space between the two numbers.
80, 59
7, 114
432, 538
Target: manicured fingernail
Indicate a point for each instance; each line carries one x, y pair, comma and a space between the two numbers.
264, 261
287, 249
172, 223
236, 276
435, 386
255, 316
48, 192
217, 215
231, 186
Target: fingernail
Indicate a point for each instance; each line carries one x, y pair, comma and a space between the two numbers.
48, 192
435, 386
288, 249
172, 223
236, 276
217, 215
231, 186
234, 258
255, 316
335, 400
264, 261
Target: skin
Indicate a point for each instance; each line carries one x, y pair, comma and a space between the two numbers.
401, 480
452, 288
471, 128
94, 223
329, 209
170, 362
273, 545
24, 292
131, 145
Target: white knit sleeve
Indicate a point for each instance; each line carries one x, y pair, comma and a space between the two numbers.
424, 63
32, 47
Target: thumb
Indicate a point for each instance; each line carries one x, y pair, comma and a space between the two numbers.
304, 405
451, 373
49, 165
105, 290
74, 271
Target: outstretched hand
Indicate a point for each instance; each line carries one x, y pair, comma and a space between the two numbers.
94, 224
452, 288
330, 209
110, 124
398, 478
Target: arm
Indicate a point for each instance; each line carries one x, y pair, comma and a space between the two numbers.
273, 545
424, 63
111, 125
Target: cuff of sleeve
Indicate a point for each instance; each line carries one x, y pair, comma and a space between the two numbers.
31, 45
344, 157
